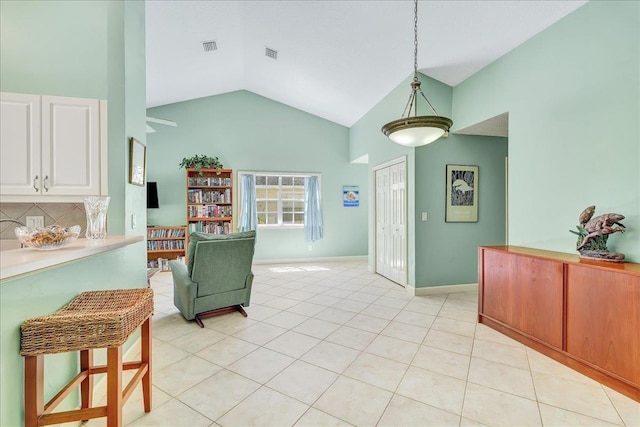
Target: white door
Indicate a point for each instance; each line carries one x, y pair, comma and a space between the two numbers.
383, 223
391, 222
19, 144
398, 272
70, 146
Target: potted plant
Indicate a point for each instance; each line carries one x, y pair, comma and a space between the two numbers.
200, 162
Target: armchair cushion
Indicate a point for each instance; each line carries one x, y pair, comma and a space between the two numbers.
196, 237
222, 265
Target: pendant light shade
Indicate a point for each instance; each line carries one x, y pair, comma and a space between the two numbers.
414, 131
417, 131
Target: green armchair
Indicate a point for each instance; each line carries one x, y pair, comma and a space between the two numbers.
218, 277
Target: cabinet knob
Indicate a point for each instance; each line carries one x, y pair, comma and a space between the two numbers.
35, 183
44, 183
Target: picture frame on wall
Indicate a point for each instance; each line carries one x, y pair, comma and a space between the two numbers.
137, 162
350, 196
462, 193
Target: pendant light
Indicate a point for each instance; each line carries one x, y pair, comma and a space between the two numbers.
414, 131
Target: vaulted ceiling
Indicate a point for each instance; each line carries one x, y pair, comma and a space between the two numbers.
335, 59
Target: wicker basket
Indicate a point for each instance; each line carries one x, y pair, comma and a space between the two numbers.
95, 319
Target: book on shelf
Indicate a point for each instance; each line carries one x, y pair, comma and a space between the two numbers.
158, 233
198, 195
209, 181
165, 245
163, 263
209, 211
211, 227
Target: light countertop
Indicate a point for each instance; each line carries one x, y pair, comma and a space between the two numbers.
26, 260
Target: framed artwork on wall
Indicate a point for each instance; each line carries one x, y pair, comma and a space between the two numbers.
350, 196
137, 162
462, 194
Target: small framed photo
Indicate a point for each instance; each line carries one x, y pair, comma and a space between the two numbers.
350, 196
462, 194
137, 162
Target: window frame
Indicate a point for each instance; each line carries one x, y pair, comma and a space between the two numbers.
280, 225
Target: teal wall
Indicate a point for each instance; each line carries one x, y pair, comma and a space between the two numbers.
439, 253
135, 98
79, 49
447, 253
574, 134
46, 49
250, 133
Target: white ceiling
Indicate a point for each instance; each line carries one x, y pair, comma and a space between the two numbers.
336, 59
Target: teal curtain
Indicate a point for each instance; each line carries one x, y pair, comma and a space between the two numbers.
248, 209
312, 212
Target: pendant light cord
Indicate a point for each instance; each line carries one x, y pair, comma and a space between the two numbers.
415, 85
417, 130
415, 41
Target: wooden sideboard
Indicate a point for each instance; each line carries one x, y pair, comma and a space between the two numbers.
584, 314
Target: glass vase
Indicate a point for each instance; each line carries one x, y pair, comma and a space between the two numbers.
96, 210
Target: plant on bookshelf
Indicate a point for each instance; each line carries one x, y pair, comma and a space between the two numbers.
210, 200
198, 163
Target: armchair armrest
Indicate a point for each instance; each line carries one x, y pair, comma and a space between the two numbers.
184, 290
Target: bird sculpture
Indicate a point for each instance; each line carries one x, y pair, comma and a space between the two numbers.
593, 233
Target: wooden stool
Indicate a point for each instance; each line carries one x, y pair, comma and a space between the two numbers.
98, 319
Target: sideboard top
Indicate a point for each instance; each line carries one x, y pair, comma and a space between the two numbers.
567, 258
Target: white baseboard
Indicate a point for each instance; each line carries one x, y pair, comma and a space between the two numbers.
446, 289
319, 259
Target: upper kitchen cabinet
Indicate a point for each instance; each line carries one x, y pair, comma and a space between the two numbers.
52, 148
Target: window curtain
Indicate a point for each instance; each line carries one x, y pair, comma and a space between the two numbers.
248, 209
312, 212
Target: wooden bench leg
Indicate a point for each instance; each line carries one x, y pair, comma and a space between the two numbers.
86, 387
146, 358
114, 387
33, 389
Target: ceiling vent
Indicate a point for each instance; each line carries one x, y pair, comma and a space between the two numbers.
210, 46
271, 53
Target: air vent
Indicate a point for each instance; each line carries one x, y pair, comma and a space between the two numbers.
209, 46
271, 53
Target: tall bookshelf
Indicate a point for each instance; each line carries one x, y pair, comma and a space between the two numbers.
210, 201
165, 244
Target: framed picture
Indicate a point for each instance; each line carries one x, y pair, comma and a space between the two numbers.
462, 194
137, 162
350, 196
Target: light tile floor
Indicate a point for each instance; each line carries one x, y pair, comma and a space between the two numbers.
328, 344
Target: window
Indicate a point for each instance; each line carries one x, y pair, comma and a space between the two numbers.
280, 199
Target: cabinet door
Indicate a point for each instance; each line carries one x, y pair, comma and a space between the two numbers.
603, 319
19, 144
525, 293
70, 146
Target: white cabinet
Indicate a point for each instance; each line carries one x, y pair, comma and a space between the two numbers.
52, 148
19, 143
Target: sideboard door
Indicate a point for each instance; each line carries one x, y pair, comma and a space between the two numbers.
525, 293
603, 319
